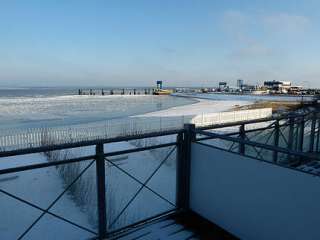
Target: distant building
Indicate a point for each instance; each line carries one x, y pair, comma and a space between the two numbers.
240, 83
278, 86
223, 86
248, 88
159, 84
295, 90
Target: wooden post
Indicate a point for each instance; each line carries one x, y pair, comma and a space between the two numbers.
101, 191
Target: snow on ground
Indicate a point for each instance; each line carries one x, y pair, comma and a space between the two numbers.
201, 107
42, 186
39, 187
122, 188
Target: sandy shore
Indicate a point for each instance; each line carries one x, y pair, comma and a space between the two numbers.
202, 106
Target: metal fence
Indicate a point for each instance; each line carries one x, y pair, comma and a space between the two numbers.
20, 139
288, 141
103, 164
104, 169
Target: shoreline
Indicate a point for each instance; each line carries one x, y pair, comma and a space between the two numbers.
277, 103
203, 106
241, 97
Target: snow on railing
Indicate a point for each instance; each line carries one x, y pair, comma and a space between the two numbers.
36, 137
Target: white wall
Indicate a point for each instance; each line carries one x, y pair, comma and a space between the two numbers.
252, 199
234, 116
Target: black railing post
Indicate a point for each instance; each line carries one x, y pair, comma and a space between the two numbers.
301, 134
183, 166
181, 173
242, 136
276, 140
291, 133
313, 132
318, 135
101, 191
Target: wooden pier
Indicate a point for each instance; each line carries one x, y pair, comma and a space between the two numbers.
117, 91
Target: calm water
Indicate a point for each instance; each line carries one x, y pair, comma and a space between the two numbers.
36, 92
50, 92
28, 108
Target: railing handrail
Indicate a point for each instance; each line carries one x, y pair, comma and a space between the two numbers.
54, 147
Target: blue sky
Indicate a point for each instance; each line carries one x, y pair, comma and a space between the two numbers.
184, 43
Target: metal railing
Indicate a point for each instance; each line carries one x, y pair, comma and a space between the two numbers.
289, 141
103, 161
288, 134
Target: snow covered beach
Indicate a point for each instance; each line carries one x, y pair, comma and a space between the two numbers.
200, 107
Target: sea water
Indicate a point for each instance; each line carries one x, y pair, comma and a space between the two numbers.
53, 107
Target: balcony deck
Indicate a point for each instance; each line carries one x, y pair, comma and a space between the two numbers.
181, 226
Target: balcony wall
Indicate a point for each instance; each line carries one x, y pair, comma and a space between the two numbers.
253, 199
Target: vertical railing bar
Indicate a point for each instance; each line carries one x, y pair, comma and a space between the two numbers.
242, 136
101, 191
276, 141
291, 133
318, 136
180, 174
313, 132
301, 134
189, 137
